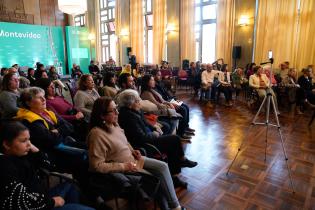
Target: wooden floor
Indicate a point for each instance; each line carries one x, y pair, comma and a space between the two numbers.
252, 182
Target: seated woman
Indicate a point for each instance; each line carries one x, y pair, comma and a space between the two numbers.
261, 83
110, 88
86, 95
225, 84
290, 85
109, 151
19, 184
239, 80
139, 132
9, 96
148, 93
50, 133
57, 103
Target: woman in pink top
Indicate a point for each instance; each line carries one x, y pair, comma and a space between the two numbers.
57, 103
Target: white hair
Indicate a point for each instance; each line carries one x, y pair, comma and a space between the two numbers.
127, 97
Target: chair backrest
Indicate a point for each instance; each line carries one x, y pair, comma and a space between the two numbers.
71, 84
182, 74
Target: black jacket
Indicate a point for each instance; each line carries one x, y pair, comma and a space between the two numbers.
137, 130
160, 88
20, 187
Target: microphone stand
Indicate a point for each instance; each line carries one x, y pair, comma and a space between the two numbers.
267, 101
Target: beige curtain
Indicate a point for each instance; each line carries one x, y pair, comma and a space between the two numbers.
159, 30
117, 32
276, 31
137, 29
225, 30
306, 41
186, 31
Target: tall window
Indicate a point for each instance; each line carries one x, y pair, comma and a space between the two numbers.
79, 20
107, 28
148, 31
205, 29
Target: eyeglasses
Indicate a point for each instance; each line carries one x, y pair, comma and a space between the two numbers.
115, 110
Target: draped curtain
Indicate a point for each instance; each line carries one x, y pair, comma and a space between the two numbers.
186, 31
306, 42
137, 29
225, 30
277, 31
117, 31
159, 30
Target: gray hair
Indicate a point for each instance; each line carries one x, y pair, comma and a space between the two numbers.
28, 94
127, 97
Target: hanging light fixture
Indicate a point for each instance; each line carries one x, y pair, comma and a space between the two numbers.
72, 7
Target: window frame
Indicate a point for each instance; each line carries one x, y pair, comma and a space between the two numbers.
202, 22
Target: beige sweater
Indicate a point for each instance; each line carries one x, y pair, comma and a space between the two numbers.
108, 151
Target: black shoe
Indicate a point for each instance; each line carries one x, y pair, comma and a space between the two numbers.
188, 163
179, 183
183, 208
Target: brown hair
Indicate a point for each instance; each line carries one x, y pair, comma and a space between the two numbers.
100, 108
82, 81
6, 80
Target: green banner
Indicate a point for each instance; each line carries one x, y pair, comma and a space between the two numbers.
27, 44
78, 47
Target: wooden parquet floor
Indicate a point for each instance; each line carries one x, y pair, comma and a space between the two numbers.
252, 182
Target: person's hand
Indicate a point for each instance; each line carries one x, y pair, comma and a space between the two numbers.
55, 131
156, 134
175, 106
136, 154
130, 166
59, 201
297, 85
158, 129
79, 115
34, 149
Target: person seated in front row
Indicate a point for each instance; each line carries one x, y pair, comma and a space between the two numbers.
126, 81
109, 151
291, 86
226, 84
239, 80
20, 187
307, 88
207, 83
51, 134
86, 95
261, 84
139, 132
182, 108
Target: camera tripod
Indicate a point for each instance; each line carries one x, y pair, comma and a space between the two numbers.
268, 100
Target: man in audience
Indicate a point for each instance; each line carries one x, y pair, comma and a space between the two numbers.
207, 83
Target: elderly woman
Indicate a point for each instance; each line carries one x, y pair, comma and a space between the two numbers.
109, 151
139, 132
49, 132
148, 93
86, 95
9, 96
57, 103
19, 185
261, 84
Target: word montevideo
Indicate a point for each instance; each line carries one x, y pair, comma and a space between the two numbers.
29, 35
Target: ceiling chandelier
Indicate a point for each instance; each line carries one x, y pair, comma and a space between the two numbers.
72, 7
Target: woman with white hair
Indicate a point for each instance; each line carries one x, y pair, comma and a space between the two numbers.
139, 132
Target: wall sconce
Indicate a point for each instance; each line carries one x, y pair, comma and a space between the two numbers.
243, 20
124, 32
170, 28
